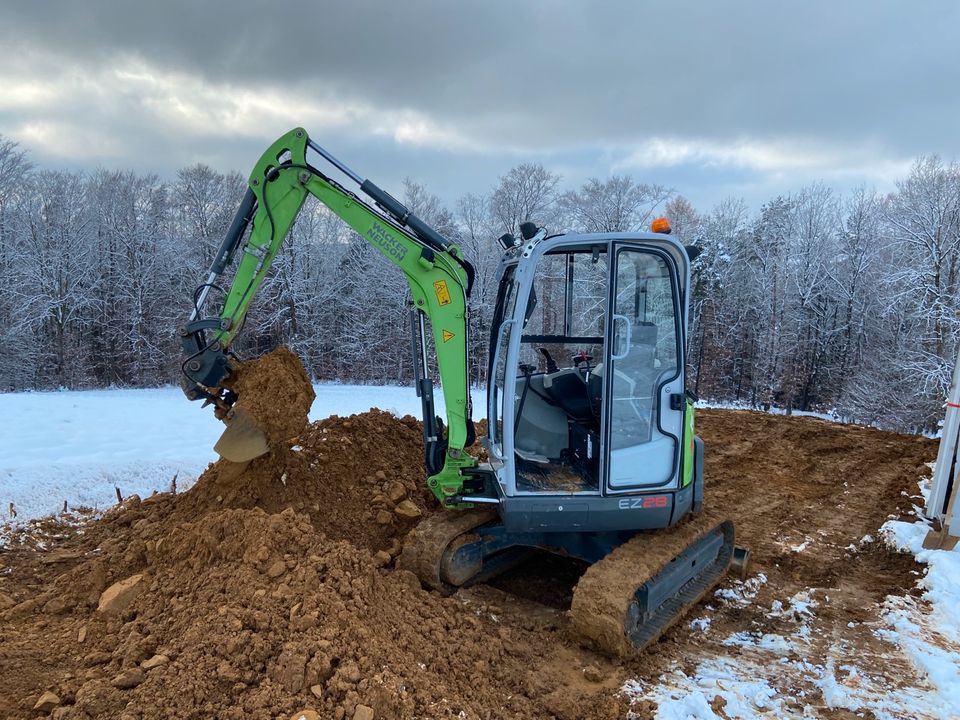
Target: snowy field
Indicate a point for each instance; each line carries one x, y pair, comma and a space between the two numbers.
724, 405
77, 446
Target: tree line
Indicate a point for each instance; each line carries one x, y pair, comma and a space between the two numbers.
817, 301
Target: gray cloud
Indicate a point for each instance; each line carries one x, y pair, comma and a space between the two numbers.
717, 97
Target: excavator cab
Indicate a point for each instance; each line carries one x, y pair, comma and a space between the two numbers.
586, 397
590, 439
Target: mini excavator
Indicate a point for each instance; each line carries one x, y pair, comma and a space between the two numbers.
591, 446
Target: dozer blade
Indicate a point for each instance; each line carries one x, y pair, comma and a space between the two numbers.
625, 601
243, 440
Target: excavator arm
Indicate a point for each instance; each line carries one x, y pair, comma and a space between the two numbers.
439, 279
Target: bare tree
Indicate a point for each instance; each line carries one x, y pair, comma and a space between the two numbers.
923, 221
618, 204
14, 171
477, 234
527, 192
54, 284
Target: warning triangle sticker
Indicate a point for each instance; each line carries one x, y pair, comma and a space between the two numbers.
447, 335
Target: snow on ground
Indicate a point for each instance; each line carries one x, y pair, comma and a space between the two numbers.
76, 446
832, 415
793, 676
929, 636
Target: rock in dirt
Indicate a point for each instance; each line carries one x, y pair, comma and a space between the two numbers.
59, 556
47, 702
6, 601
276, 569
592, 673
305, 714
97, 657
128, 679
155, 661
363, 712
408, 511
396, 491
275, 391
55, 606
118, 596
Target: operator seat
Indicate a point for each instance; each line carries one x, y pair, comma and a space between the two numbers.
568, 390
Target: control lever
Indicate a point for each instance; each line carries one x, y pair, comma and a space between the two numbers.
548, 358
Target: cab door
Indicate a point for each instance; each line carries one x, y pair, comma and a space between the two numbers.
643, 369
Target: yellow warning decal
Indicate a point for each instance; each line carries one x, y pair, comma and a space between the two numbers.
443, 294
447, 335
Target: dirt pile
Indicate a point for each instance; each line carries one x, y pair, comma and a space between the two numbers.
247, 614
347, 475
269, 587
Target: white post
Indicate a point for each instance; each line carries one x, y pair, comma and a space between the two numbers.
941, 505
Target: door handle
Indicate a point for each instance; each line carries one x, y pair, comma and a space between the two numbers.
626, 340
492, 381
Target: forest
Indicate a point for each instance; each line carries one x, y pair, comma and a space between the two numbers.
817, 300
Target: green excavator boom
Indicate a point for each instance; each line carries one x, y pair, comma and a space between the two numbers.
438, 276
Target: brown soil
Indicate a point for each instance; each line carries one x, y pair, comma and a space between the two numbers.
269, 587
275, 391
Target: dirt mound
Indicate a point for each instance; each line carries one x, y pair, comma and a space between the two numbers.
785, 480
269, 587
249, 614
347, 475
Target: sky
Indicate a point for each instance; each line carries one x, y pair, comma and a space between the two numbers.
713, 98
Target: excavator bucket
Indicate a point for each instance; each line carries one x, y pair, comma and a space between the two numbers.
243, 440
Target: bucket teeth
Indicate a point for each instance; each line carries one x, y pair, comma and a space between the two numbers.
243, 440
609, 610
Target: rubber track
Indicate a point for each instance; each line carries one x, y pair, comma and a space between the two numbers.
424, 548
600, 611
